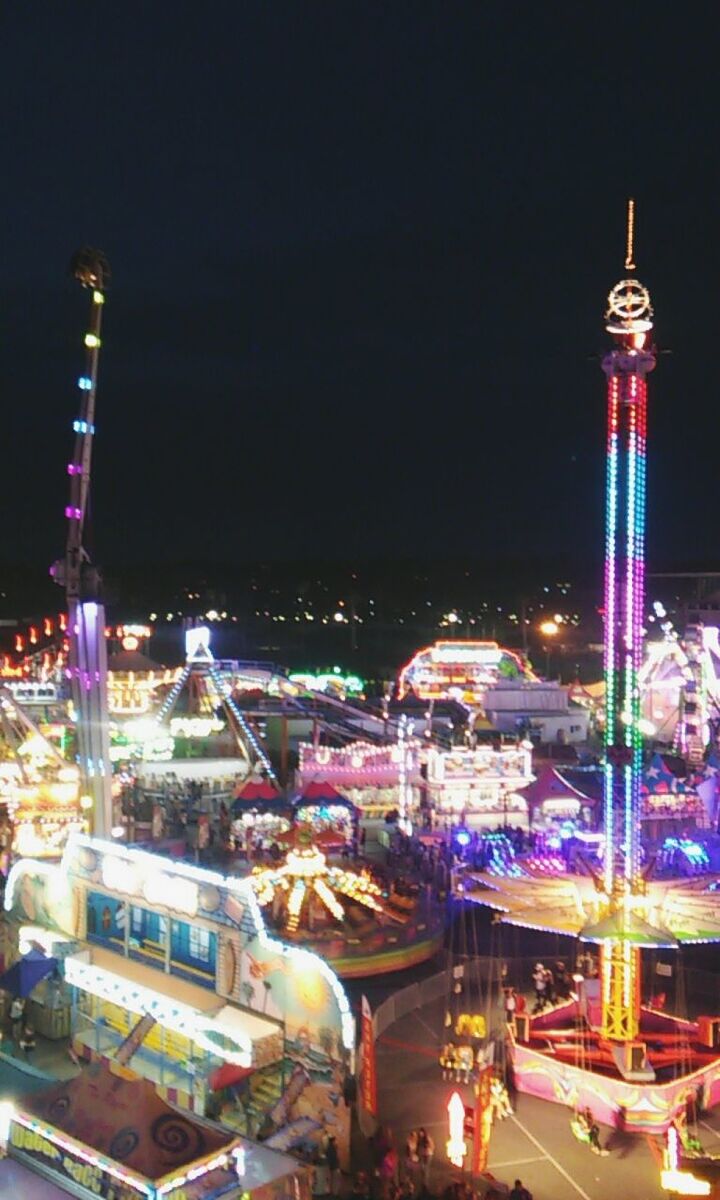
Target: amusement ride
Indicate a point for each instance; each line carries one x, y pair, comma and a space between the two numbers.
601, 1048
87, 660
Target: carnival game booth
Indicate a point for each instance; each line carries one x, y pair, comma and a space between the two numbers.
671, 804
258, 810
552, 799
321, 806
370, 776
108, 1133
485, 785
233, 1013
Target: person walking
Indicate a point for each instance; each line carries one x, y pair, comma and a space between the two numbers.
540, 981
412, 1158
27, 1040
519, 1192
389, 1173
17, 1012
425, 1149
594, 1138
332, 1158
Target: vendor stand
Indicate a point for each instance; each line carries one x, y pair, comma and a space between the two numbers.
258, 811
322, 807
108, 1133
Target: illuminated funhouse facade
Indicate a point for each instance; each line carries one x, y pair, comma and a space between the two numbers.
227, 1005
461, 670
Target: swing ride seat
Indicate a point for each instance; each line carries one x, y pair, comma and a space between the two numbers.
580, 1131
471, 1025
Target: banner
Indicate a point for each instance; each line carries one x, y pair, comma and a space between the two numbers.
368, 1078
134, 1039
483, 1121
63, 1164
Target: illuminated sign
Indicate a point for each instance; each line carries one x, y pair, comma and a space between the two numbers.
70, 1160
136, 631
34, 693
456, 1146
487, 653
328, 682
197, 644
684, 1183
195, 727
672, 1179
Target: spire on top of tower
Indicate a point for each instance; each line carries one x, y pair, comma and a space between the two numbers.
629, 313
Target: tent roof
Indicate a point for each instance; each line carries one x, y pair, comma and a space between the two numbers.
320, 789
27, 973
550, 783
132, 660
124, 1118
627, 927
256, 789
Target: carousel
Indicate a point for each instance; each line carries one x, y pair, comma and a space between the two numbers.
346, 915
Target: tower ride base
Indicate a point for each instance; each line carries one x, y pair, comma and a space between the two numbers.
566, 1061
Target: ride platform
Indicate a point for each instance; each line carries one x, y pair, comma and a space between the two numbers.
563, 1058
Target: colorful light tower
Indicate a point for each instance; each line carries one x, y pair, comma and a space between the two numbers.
593, 1051
87, 666
629, 320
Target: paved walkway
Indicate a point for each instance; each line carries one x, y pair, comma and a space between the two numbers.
48, 1059
17, 1182
535, 1144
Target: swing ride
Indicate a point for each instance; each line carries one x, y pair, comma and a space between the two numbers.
601, 1050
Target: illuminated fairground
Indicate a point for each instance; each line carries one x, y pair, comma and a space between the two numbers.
343, 914
603, 1049
461, 670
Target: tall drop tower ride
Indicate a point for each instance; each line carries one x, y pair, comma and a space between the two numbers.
628, 320
604, 1049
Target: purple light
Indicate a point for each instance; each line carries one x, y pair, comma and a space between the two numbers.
73, 513
74, 469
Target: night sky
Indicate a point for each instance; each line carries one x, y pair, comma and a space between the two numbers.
360, 257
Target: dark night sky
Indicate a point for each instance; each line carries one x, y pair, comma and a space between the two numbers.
360, 257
